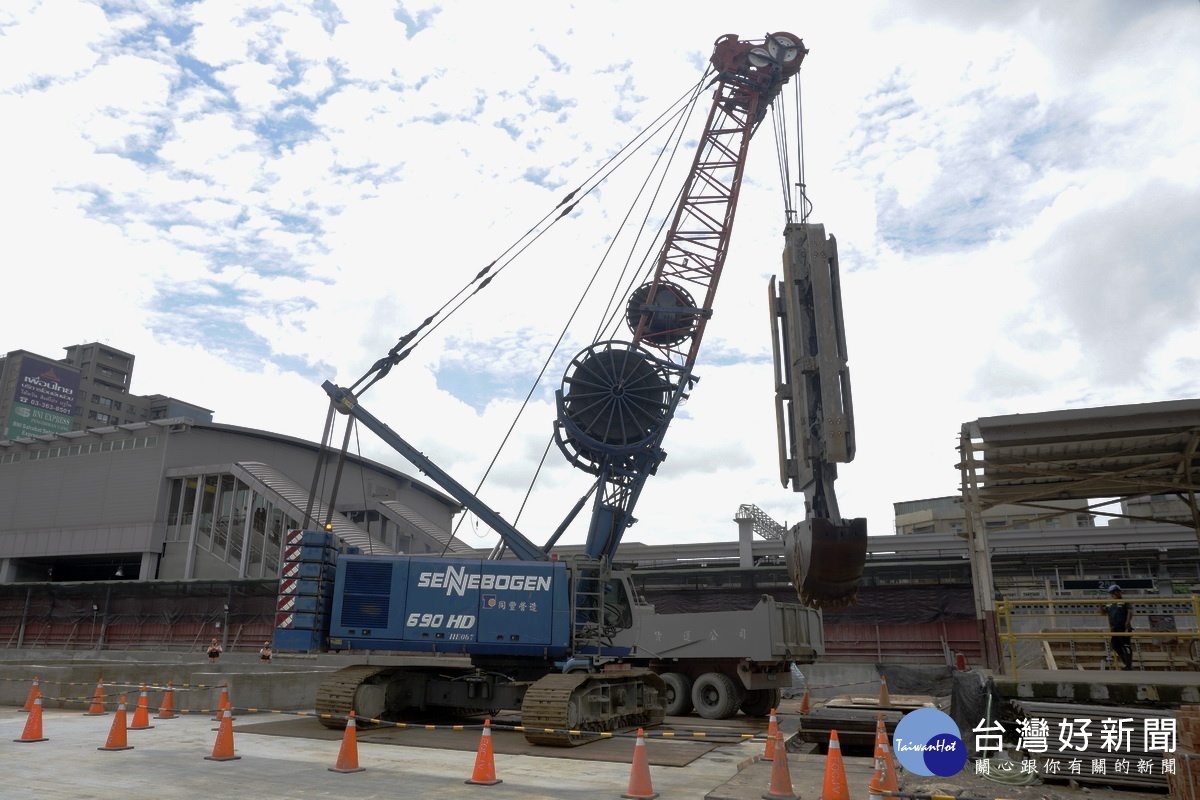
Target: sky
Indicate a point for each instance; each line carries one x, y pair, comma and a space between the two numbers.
256, 197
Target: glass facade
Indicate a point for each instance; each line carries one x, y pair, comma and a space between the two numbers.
230, 520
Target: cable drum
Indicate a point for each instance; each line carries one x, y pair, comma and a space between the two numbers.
614, 398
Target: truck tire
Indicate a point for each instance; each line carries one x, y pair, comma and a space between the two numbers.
760, 702
679, 693
716, 696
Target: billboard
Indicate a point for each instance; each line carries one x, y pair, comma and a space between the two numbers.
44, 399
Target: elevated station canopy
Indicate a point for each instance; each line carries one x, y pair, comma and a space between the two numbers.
1104, 455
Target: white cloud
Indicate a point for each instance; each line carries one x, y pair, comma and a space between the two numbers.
281, 191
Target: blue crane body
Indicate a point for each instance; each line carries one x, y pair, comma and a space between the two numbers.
445, 605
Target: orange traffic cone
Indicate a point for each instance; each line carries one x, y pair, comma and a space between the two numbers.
97, 707
33, 725
347, 760
34, 691
835, 787
772, 732
117, 739
141, 714
167, 709
639, 774
881, 735
223, 746
884, 777
223, 704
884, 698
781, 776
806, 702
485, 763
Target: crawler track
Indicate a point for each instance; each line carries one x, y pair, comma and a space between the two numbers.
613, 701
335, 695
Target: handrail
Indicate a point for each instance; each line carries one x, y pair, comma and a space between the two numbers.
1175, 606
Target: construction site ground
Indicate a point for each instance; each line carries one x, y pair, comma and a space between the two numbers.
283, 750
285, 755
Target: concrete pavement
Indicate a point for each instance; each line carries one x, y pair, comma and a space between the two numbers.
168, 761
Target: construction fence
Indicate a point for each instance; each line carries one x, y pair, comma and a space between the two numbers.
136, 615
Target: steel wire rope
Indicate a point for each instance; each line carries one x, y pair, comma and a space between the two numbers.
320, 470
406, 344
563, 332
806, 206
312, 492
791, 197
609, 316
362, 479
611, 166
779, 126
618, 160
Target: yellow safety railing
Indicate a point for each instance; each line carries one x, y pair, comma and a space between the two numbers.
1060, 621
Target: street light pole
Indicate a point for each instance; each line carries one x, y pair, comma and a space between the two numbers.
95, 641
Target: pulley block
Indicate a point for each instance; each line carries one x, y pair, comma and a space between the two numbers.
671, 314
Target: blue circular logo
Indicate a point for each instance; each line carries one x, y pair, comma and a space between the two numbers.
927, 742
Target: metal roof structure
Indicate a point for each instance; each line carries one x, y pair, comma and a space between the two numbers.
273, 483
398, 512
1101, 454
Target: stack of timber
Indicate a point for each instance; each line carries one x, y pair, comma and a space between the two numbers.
854, 718
1114, 760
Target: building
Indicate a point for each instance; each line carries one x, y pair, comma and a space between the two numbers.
89, 388
946, 515
181, 499
1159, 507
38, 395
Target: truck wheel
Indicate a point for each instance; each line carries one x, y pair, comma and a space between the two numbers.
716, 696
679, 693
760, 702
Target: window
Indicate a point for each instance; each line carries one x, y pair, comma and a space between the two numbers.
173, 512
237, 523
222, 522
187, 509
208, 504
258, 529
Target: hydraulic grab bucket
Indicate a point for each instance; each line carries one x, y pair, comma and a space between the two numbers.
825, 560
